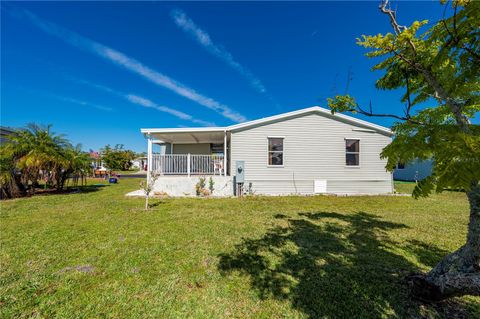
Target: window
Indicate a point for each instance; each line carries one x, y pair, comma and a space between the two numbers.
275, 151
352, 152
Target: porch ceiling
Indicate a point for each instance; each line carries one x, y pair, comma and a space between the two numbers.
189, 137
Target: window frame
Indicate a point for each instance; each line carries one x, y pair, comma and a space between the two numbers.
282, 151
355, 153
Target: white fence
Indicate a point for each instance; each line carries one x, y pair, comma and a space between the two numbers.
187, 164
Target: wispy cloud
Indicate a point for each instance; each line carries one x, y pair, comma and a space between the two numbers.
63, 98
79, 102
204, 39
148, 103
128, 63
142, 101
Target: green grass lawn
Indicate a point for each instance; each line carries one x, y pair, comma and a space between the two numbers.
130, 171
98, 254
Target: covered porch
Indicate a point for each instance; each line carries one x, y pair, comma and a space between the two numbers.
187, 151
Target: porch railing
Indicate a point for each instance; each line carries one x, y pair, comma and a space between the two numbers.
188, 164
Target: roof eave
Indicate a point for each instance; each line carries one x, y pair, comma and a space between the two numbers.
312, 109
182, 130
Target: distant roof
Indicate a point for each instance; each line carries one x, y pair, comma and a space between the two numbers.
274, 118
94, 154
5, 133
4, 130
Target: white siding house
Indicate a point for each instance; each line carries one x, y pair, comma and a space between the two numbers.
413, 171
304, 152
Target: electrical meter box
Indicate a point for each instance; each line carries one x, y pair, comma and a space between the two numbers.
240, 172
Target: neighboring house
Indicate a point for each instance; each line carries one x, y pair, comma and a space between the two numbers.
5, 132
308, 151
413, 171
139, 163
96, 161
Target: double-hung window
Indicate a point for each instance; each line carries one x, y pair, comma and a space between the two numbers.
275, 151
352, 152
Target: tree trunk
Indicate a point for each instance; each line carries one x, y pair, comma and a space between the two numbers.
457, 274
146, 202
58, 181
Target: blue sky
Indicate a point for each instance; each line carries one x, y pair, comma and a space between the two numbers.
101, 71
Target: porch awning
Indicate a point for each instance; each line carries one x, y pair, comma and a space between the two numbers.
188, 135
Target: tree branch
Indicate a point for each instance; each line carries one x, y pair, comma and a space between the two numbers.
440, 92
392, 14
409, 102
393, 21
455, 38
407, 117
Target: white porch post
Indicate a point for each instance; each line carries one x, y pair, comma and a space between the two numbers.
224, 153
188, 164
149, 159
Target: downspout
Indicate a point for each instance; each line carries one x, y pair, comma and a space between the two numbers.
149, 157
225, 153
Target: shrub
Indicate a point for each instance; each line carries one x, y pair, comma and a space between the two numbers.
200, 187
211, 184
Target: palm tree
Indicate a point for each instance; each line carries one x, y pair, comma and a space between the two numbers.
75, 164
36, 152
10, 185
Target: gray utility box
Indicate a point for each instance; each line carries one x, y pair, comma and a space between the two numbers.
240, 172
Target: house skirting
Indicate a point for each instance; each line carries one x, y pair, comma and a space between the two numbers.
306, 186
179, 186
184, 186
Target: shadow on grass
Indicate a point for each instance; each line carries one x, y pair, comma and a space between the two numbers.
68, 190
332, 265
90, 188
156, 203
427, 254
